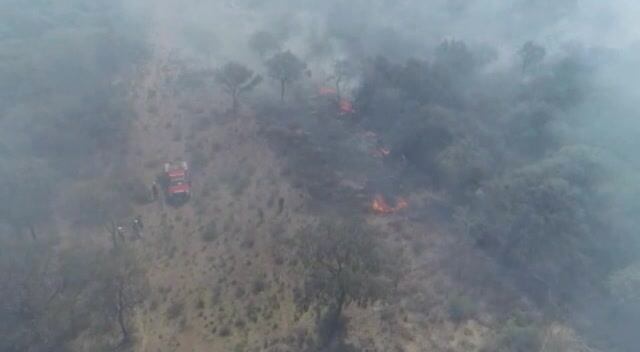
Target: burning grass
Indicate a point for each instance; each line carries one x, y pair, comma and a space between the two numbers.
380, 206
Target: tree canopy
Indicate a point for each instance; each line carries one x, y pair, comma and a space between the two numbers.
235, 79
342, 263
285, 68
531, 55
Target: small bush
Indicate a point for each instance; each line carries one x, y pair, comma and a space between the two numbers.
252, 313
199, 160
461, 308
202, 123
258, 286
174, 310
137, 191
200, 304
224, 331
519, 339
248, 243
419, 247
279, 259
154, 164
517, 335
177, 135
239, 184
210, 232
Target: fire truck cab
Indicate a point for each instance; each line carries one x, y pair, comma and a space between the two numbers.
177, 182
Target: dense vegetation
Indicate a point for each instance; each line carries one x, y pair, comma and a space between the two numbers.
509, 146
521, 192
520, 184
62, 115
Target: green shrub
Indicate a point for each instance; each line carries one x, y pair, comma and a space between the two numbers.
461, 308
258, 286
210, 232
519, 339
199, 159
177, 135
174, 310
239, 184
200, 304
138, 191
517, 336
224, 331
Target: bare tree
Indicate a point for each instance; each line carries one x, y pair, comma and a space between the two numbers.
26, 196
123, 285
343, 70
30, 288
531, 55
50, 297
236, 78
343, 264
286, 68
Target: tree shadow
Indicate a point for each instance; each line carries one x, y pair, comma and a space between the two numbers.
332, 333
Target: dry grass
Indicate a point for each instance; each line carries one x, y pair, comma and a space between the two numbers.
220, 268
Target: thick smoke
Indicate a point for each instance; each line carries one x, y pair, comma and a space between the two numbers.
517, 119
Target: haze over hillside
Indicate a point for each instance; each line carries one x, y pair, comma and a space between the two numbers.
243, 175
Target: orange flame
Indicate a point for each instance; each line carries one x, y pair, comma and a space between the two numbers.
401, 203
324, 91
380, 206
346, 107
381, 152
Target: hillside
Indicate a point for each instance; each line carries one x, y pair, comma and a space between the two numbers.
221, 268
365, 176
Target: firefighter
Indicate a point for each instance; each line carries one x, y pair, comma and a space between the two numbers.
140, 224
137, 226
120, 231
154, 190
